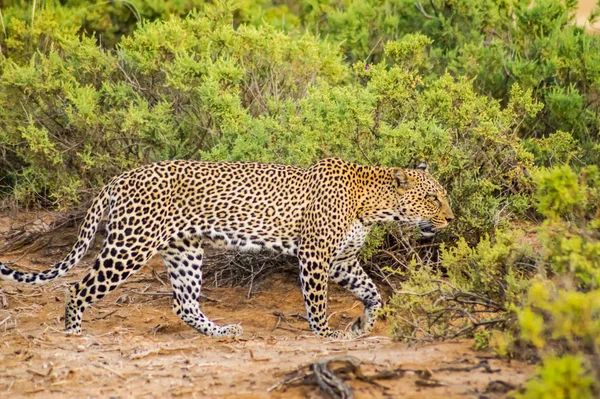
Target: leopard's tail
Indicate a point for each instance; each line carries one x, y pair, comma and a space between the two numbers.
87, 230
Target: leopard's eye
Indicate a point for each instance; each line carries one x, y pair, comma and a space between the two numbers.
434, 197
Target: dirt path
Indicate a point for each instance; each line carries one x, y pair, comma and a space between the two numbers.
134, 346
583, 11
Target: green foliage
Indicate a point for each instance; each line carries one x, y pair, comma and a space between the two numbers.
482, 286
488, 286
489, 268
497, 43
374, 241
568, 322
571, 233
553, 314
482, 339
199, 88
560, 378
558, 148
177, 89
107, 21
561, 196
563, 316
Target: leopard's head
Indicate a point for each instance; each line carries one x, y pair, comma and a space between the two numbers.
422, 200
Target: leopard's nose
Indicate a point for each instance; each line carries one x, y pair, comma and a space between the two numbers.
449, 218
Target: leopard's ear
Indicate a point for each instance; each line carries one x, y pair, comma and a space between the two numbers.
422, 166
401, 178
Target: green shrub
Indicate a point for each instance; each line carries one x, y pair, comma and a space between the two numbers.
173, 91
198, 88
561, 314
497, 43
476, 289
562, 317
555, 149
106, 21
570, 235
564, 325
479, 291
560, 378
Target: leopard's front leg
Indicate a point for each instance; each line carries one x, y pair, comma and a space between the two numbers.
349, 274
325, 221
313, 278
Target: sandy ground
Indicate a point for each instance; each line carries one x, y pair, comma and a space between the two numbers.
134, 346
583, 12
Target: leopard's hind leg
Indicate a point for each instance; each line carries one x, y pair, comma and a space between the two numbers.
112, 267
183, 259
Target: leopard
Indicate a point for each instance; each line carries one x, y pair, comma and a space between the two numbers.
320, 214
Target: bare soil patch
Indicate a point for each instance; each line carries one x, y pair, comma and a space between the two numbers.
134, 346
584, 9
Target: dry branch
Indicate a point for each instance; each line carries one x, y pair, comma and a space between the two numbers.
482, 364
35, 234
449, 312
329, 374
157, 351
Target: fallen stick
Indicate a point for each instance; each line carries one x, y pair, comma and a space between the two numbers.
157, 351
320, 373
115, 372
482, 364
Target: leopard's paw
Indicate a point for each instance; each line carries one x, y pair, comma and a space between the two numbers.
229, 331
340, 334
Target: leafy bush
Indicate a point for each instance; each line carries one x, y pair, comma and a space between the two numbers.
198, 88
490, 286
571, 233
172, 91
471, 291
107, 21
564, 377
497, 43
564, 325
561, 318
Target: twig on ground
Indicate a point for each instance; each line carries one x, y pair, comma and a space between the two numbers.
47, 374
3, 299
105, 367
281, 317
104, 316
482, 364
157, 277
329, 375
7, 318
157, 351
330, 382
300, 316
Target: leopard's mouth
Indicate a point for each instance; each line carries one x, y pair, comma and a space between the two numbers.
427, 229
